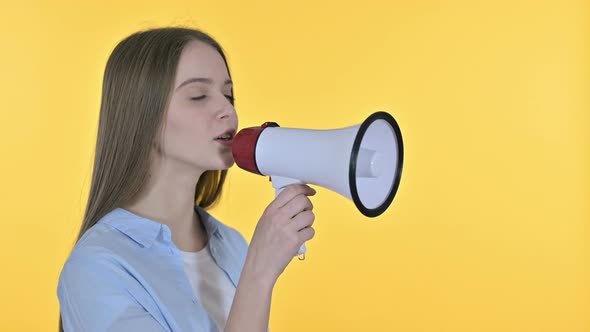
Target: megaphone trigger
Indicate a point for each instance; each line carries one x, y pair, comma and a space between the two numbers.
280, 183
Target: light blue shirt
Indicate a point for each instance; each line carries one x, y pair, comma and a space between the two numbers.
126, 274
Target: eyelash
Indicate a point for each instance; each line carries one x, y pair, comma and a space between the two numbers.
230, 98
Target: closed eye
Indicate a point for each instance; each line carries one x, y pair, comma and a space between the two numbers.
231, 99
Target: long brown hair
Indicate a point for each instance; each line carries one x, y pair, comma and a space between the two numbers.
137, 85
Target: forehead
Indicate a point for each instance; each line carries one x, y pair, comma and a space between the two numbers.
200, 60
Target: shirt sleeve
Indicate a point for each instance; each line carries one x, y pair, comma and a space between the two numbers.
93, 299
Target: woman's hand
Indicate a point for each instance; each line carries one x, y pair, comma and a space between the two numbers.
284, 226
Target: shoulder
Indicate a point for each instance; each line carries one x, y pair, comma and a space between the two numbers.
83, 265
100, 244
104, 252
97, 254
99, 290
88, 274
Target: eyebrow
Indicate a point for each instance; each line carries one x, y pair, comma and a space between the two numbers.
202, 80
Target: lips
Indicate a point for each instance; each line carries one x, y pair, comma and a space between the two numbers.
227, 135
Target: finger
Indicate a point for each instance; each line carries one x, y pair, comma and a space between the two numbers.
289, 193
297, 205
306, 234
301, 221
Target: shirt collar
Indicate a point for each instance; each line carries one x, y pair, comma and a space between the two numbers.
211, 224
145, 231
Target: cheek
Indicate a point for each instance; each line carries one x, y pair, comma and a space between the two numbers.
188, 130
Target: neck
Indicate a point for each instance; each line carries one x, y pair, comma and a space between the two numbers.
167, 197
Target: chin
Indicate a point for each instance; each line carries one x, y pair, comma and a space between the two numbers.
229, 164
224, 165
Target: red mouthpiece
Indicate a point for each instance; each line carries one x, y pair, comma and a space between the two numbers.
244, 147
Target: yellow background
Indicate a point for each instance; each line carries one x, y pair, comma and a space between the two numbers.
489, 230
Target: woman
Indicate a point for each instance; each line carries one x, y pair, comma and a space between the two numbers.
149, 257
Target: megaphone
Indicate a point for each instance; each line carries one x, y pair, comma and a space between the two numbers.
362, 162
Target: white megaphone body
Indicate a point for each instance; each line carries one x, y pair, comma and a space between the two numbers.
362, 162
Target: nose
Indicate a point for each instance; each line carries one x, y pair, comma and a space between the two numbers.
226, 111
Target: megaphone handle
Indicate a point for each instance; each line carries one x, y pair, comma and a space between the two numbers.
280, 183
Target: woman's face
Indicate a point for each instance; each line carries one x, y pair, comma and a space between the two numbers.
200, 111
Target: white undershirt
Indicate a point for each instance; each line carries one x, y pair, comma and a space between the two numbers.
211, 285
